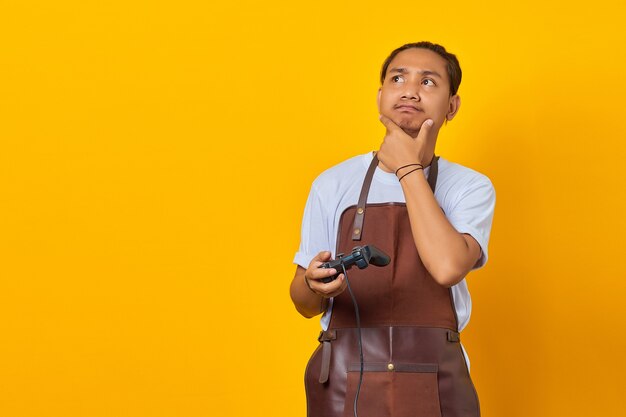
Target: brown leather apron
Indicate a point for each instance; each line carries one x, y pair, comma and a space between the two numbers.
413, 361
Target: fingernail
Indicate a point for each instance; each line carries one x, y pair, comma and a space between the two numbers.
429, 122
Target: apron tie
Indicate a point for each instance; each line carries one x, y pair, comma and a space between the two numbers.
324, 338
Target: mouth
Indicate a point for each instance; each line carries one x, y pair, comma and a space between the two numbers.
407, 108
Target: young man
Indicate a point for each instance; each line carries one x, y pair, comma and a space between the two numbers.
433, 218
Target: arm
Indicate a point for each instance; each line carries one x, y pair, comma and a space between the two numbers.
447, 254
312, 299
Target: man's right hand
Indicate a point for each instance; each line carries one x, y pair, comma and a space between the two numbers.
314, 274
312, 299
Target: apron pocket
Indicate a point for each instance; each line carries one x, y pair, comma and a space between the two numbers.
398, 390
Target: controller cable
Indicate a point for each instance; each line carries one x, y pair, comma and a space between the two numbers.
358, 328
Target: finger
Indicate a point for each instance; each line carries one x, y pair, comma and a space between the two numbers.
389, 124
319, 259
344, 282
425, 130
333, 287
319, 273
323, 256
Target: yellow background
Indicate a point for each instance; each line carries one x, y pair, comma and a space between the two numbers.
156, 157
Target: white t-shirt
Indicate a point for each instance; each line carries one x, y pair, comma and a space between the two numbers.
467, 198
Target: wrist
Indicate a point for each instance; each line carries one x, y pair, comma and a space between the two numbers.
404, 172
406, 168
306, 281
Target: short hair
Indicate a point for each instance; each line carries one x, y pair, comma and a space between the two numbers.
453, 67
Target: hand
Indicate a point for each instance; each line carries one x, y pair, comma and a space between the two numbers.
314, 273
399, 149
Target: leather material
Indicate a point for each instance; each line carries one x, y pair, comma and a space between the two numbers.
359, 218
401, 293
361, 205
325, 337
393, 367
417, 347
413, 361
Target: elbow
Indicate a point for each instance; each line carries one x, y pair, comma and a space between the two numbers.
299, 305
447, 274
306, 314
448, 269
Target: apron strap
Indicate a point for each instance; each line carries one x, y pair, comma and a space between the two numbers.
357, 228
324, 338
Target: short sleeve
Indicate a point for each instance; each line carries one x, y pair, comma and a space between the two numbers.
314, 236
472, 213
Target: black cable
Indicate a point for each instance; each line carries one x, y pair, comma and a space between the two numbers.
358, 328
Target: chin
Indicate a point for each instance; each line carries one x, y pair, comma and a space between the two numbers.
410, 125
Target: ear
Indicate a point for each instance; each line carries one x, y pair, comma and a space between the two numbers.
378, 99
453, 107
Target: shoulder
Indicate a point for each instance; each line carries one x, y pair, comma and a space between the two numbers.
457, 176
343, 174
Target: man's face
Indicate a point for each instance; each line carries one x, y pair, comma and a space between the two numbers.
417, 88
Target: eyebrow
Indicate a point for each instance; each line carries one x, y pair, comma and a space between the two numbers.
403, 70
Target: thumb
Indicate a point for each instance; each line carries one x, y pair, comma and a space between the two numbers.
425, 130
323, 256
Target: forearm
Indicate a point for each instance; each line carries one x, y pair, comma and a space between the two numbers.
308, 303
445, 252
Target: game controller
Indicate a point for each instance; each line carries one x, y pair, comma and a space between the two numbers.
360, 256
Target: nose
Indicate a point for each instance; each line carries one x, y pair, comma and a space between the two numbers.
411, 91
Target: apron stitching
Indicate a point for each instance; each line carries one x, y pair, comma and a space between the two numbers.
390, 344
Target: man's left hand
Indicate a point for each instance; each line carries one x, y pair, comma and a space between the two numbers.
399, 149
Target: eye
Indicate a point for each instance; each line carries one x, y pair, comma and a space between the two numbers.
428, 82
397, 79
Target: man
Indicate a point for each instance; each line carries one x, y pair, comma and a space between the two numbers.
433, 218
